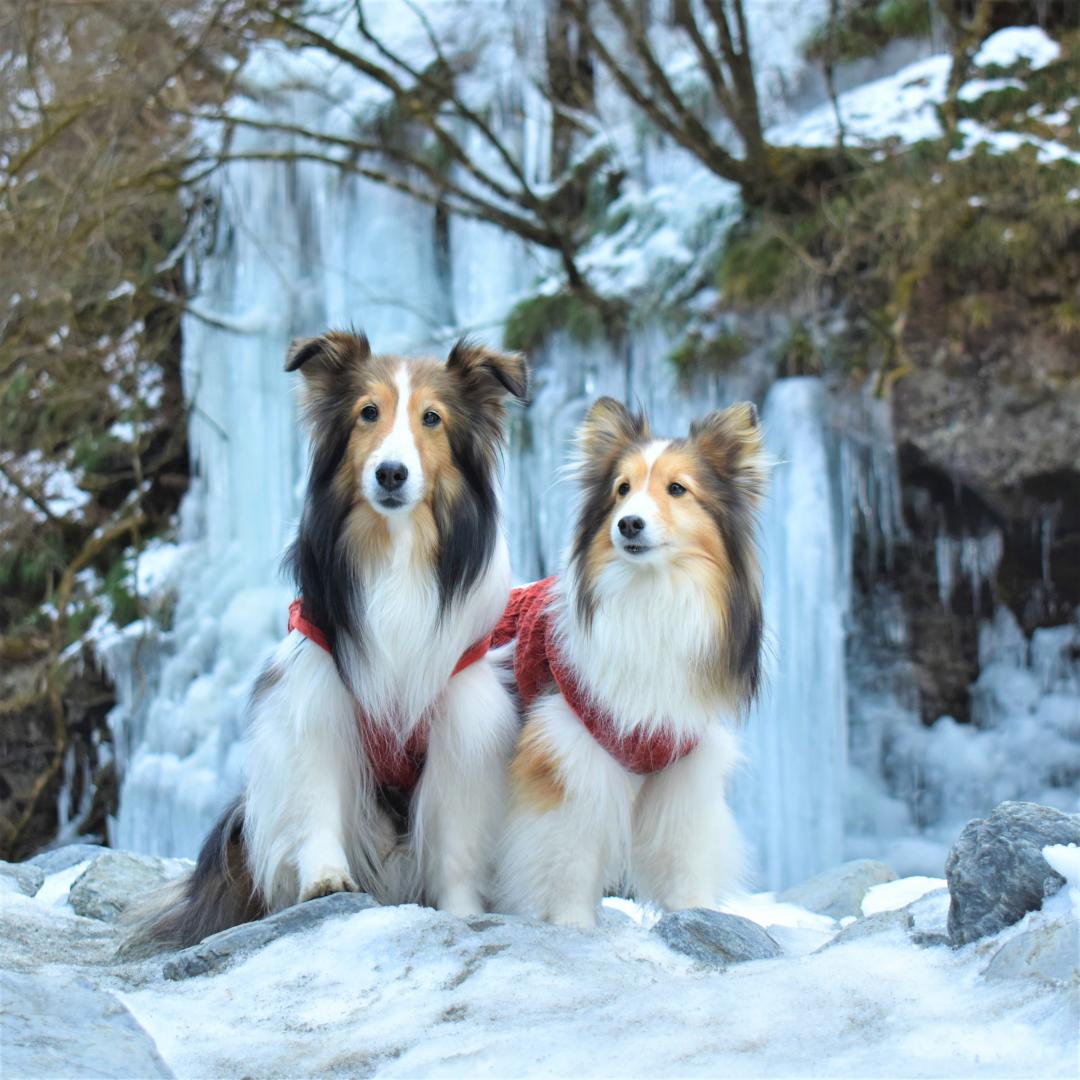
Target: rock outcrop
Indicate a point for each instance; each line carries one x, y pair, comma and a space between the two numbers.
996, 870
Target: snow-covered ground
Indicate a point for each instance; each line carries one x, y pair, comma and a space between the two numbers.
407, 991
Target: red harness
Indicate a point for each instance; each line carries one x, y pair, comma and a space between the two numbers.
538, 665
393, 764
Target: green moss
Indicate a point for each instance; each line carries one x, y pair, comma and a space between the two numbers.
698, 354
752, 266
28, 569
534, 319
119, 588
867, 26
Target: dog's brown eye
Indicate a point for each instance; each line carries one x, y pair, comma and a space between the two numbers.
624, 489
676, 490
431, 419
370, 413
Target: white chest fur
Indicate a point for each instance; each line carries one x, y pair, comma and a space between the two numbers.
643, 656
410, 647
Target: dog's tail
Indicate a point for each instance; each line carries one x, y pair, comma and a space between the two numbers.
217, 894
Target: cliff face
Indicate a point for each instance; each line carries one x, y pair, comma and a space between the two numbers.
988, 434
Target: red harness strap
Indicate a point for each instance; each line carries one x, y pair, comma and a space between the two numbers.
394, 764
538, 664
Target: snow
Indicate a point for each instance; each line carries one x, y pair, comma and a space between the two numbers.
52, 481
900, 106
978, 135
156, 568
55, 888
1015, 44
904, 106
974, 89
893, 895
1065, 859
412, 992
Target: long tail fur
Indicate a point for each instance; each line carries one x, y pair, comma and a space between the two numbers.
217, 894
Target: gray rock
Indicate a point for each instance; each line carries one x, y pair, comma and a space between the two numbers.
715, 938
63, 858
113, 881
1050, 951
839, 892
26, 877
59, 1025
996, 870
881, 923
220, 951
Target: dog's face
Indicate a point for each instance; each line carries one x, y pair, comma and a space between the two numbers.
681, 505
395, 439
682, 501
416, 431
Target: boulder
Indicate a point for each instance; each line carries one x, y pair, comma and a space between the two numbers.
60, 1025
220, 951
113, 881
63, 858
715, 938
25, 877
881, 923
996, 870
1050, 952
839, 892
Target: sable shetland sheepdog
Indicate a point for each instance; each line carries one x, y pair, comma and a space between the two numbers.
630, 667
380, 708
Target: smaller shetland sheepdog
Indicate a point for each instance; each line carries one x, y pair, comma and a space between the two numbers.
631, 667
380, 730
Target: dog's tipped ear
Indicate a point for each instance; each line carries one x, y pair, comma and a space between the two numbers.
731, 442
502, 374
327, 354
608, 429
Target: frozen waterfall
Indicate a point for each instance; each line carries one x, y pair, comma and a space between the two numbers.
298, 248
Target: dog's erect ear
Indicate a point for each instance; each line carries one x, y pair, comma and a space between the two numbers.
607, 430
731, 442
496, 375
328, 354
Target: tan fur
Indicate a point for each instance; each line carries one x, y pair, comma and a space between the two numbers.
691, 530
432, 444
534, 776
732, 442
367, 531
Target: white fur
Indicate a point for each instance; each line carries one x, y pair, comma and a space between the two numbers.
556, 865
460, 800
398, 446
670, 835
312, 823
641, 504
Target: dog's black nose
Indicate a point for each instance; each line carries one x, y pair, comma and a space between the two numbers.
631, 525
391, 475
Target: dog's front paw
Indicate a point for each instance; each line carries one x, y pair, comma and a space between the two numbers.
461, 901
330, 880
